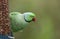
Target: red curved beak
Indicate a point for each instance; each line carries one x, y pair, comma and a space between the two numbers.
34, 19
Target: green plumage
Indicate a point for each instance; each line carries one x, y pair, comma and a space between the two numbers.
18, 22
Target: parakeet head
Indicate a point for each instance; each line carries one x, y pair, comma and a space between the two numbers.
29, 16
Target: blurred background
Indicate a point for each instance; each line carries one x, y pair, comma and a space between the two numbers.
47, 12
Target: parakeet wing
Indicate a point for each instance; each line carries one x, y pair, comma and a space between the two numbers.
15, 27
16, 22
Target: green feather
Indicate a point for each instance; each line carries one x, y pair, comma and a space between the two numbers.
17, 20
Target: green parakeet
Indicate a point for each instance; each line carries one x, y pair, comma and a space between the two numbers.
19, 21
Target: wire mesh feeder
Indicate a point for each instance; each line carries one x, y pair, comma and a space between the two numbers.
5, 29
